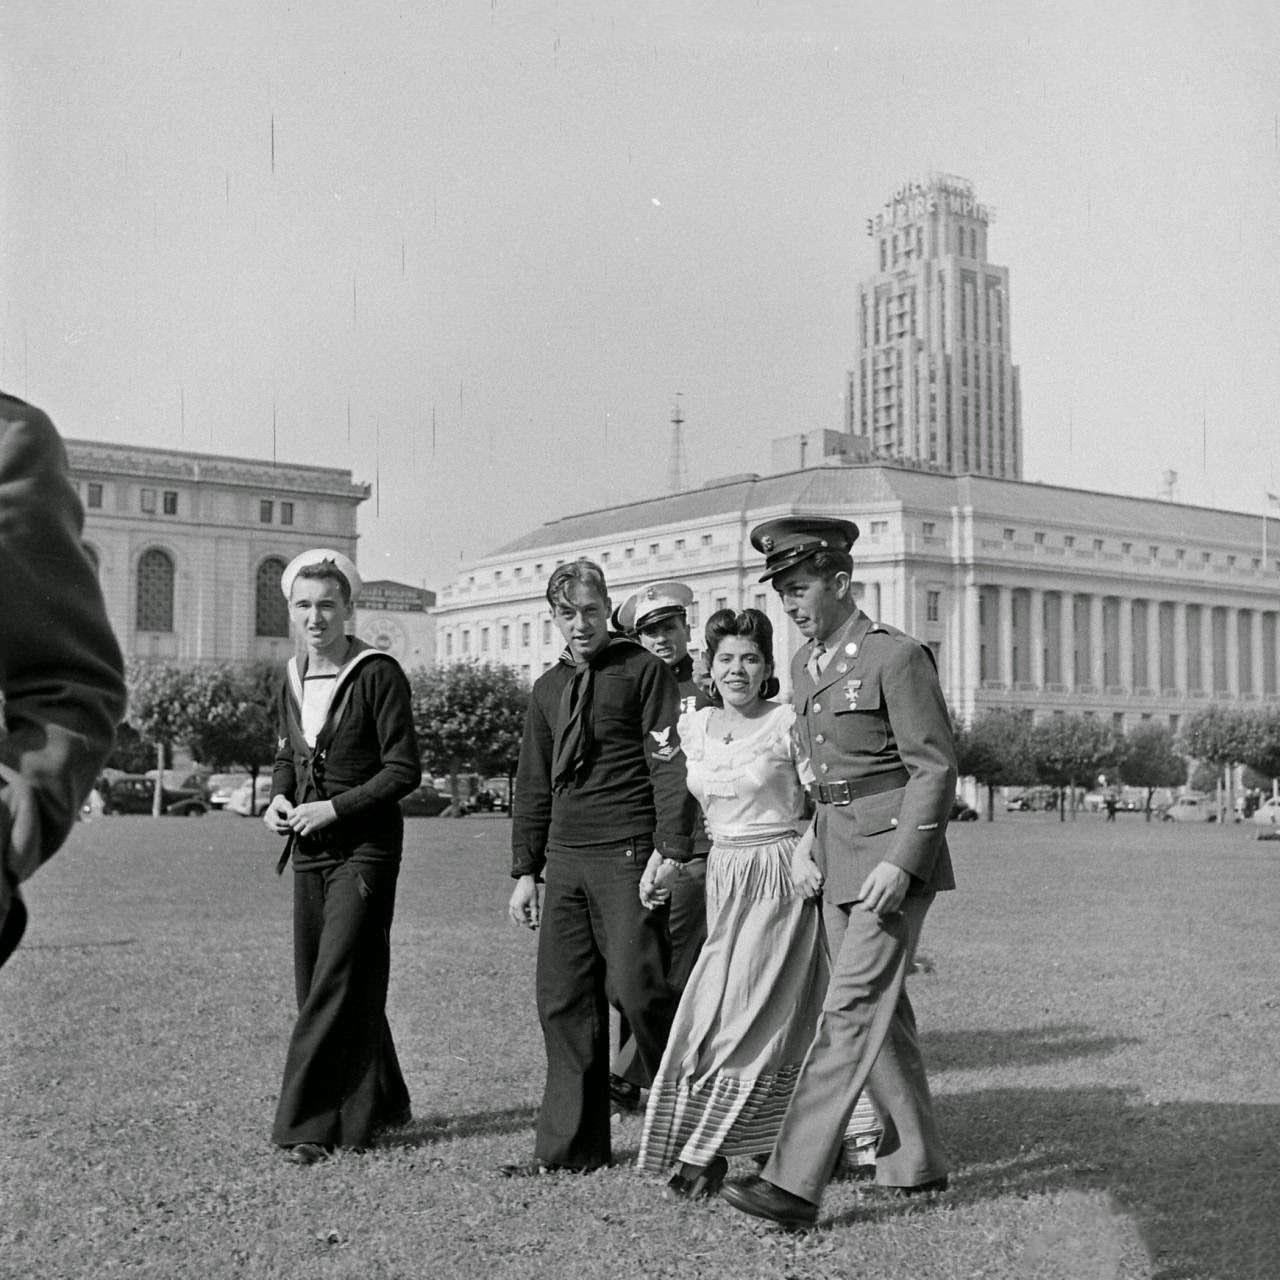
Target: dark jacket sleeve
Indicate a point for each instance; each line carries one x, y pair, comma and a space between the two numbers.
531, 814
284, 779
385, 689
62, 687
676, 809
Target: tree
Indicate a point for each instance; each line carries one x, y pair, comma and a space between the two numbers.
1220, 736
223, 714
468, 715
1260, 748
132, 753
237, 730
165, 707
993, 751
1068, 750
1148, 758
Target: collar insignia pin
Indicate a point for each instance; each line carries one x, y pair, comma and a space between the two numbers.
851, 649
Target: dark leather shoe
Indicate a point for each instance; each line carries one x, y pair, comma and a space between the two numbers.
935, 1186
306, 1153
762, 1199
693, 1182
624, 1095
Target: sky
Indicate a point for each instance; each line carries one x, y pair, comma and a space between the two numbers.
473, 250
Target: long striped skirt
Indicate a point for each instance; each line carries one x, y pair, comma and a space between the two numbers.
746, 1019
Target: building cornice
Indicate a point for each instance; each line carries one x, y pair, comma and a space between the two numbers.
141, 462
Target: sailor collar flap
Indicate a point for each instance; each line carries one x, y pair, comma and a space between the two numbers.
340, 684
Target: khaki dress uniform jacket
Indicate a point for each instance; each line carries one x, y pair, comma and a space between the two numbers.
877, 732
875, 721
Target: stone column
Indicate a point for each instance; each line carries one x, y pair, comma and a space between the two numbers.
1207, 664
1125, 674
1096, 671
972, 641
1004, 637
1180, 681
1067, 630
1035, 628
1259, 672
1153, 645
1233, 651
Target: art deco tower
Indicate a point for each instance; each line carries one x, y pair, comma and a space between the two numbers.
933, 381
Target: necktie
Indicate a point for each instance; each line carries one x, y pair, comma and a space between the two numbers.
814, 664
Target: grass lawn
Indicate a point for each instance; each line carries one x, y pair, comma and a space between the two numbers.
1100, 1008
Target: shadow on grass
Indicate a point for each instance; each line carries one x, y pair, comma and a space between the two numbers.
1200, 1180
1027, 1046
427, 1130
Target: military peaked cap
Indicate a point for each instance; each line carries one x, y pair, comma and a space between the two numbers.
787, 541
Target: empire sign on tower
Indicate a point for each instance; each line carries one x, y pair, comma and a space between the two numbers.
933, 380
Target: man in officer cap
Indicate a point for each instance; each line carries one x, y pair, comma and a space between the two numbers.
874, 724
657, 616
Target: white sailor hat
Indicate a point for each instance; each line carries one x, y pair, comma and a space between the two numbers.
651, 604
318, 555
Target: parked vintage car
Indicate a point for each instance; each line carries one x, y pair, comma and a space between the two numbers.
425, 802
222, 786
249, 800
961, 812
1190, 809
135, 793
1267, 814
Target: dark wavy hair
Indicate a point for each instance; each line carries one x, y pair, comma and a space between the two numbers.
746, 624
583, 571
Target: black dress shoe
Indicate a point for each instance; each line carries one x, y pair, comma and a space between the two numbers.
935, 1186
762, 1199
698, 1182
306, 1153
624, 1095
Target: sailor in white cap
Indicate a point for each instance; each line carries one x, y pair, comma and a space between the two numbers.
346, 753
657, 616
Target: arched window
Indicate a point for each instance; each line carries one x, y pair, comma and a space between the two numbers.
270, 609
155, 591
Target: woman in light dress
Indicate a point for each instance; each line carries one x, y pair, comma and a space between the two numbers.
751, 1005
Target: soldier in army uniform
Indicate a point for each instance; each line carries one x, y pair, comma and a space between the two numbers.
873, 721
657, 617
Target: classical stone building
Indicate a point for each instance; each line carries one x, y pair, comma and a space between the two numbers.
1031, 595
190, 547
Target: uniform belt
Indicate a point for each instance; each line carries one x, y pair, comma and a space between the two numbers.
846, 792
